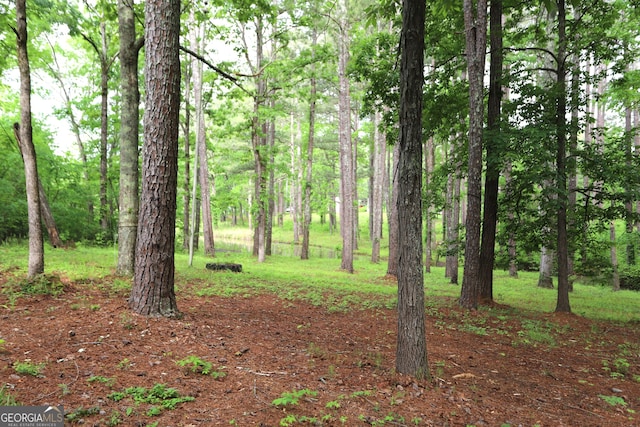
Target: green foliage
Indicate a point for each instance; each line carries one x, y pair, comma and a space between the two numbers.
28, 368
76, 415
196, 365
6, 398
292, 398
630, 278
109, 382
613, 400
159, 397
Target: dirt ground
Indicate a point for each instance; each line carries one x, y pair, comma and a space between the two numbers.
339, 366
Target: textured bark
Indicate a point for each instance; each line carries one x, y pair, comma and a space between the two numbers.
452, 231
186, 183
545, 279
492, 143
411, 352
306, 215
562, 304
379, 154
105, 66
614, 257
429, 160
392, 264
346, 148
201, 146
475, 24
258, 141
36, 243
45, 209
129, 123
153, 291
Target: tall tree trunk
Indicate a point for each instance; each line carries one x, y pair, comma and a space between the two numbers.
271, 136
36, 243
129, 123
614, 256
306, 221
429, 160
201, 147
475, 24
493, 146
453, 219
186, 186
153, 292
628, 204
545, 279
411, 352
394, 249
511, 242
562, 304
346, 148
379, 154
105, 65
45, 209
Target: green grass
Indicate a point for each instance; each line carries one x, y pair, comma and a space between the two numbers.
319, 281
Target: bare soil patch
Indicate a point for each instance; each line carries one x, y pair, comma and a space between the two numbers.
489, 369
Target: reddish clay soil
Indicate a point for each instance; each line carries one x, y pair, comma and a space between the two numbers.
268, 346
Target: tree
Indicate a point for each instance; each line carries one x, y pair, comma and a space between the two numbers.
308, 166
562, 304
45, 209
153, 291
411, 352
493, 149
36, 244
129, 119
475, 24
347, 173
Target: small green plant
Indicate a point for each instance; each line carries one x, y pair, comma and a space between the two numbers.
292, 398
159, 396
198, 366
613, 400
534, 332
124, 364
114, 419
94, 307
78, 414
28, 368
6, 398
64, 389
127, 321
333, 404
100, 379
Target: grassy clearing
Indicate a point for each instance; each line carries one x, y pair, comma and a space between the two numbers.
318, 281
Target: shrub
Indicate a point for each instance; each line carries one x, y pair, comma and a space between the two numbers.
630, 278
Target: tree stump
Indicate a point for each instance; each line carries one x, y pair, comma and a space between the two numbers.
224, 266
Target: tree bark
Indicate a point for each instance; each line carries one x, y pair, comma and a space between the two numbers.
153, 292
36, 243
475, 24
346, 148
379, 154
201, 146
562, 304
129, 123
306, 221
493, 147
45, 209
411, 352
392, 263
186, 183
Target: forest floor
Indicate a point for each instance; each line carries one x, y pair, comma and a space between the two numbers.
276, 361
